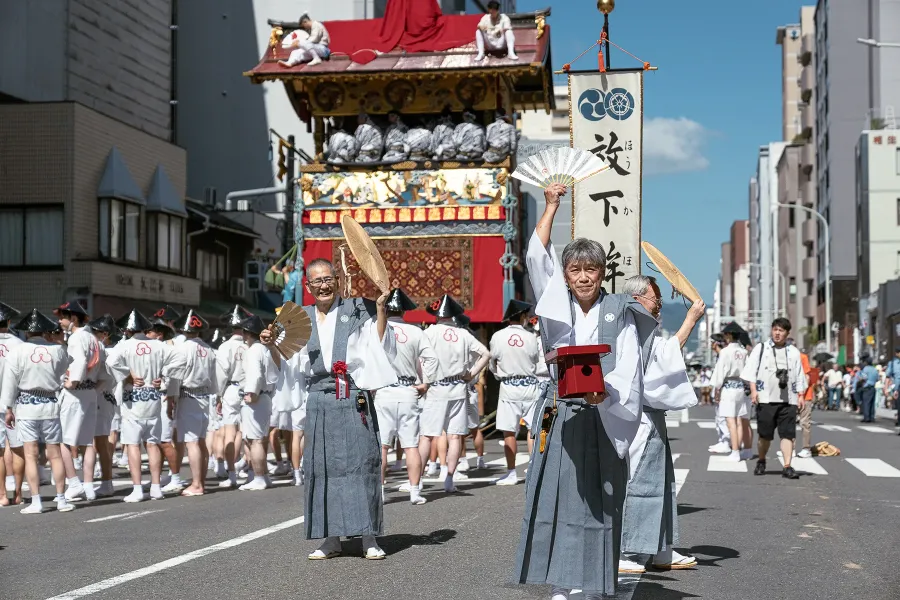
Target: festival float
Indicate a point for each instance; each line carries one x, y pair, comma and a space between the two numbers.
415, 138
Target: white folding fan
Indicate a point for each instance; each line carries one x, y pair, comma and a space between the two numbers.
559, 165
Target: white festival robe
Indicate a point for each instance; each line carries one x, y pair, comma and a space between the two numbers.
515, 352
369, 360
290, 388
628, 386
148, 360
230, 368
199, 374
33, 365
457, 351
416, 361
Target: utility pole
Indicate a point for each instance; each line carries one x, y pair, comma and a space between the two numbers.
288, 232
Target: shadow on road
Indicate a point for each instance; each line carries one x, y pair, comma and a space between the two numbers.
392, 544
716, 554
655, 591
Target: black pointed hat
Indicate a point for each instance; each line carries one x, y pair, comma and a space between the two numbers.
192, 323
167, 313
462, 321
445, 308
733, 329
235, 316
515, 308
162, 325
253, 324
104, 324
7, 312
133, 321
72, 306
37, 323
399, 302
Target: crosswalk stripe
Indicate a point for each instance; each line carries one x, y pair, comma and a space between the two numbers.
874, 429
685, 418
835, 428
806, 465
721, 463
670, 423
680, 477
874, 467
706, 424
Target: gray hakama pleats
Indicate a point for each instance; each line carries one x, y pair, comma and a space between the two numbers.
575, 489
650, 522
342, 459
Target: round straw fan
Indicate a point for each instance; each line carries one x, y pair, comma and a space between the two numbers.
679, 282
366, 253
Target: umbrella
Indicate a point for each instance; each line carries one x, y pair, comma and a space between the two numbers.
823, 357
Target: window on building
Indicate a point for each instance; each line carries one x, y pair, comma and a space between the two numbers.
31, 236
165, 239
211, 270
791, 217
120, 230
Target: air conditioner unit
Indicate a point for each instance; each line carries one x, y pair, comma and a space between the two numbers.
236, 287
210, 195
255, 273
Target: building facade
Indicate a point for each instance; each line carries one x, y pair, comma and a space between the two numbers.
790, 39
878, 209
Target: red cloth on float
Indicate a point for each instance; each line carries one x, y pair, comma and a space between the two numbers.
411, 25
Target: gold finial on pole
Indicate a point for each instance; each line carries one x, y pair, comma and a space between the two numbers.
606, 6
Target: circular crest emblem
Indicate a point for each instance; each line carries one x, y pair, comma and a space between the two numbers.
619, 104
345, 319
609, 318
591, 104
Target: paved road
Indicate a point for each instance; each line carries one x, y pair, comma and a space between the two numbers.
828, 535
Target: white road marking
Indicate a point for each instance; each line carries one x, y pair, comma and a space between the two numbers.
680, 477
835, 428
670, 423
706, 424
753, 425
874, 429
684, 416
112, 582
110, 518
874, 467
806, 465
721, 463
143, 514
675, 456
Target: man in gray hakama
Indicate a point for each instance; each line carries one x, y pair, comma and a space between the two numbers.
650, 518
469, 138
369, 140
349, 354
575, 488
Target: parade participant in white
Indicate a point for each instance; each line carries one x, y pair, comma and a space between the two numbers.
229, 372
350, 353
397, 406
369, 140
341, 147
732, 403
650, 516
12, 457
259, 380
723, 445
468, 137
576, 487
502, 138
289, 410
495, 33
461, 358
34, 372
443, 140
102, 329
192, 406
147, 366
163, 330
78, 403
775, 373
514, 362
396, 148
311, 43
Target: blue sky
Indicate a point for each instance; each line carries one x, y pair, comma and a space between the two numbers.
715, 99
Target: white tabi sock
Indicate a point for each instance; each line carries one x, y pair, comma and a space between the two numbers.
368, 541
155, 489
36, 500
137, 489
297, 473
444, 472
558, 593
10, 482
73, 481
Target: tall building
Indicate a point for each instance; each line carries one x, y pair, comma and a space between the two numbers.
878, 209
790, 40
93, 204
768, 284
843, 76
726, 278
740, 272
790, 248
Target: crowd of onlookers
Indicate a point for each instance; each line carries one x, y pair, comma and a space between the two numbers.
843, 387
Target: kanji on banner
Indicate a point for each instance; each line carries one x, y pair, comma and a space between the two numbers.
607, 118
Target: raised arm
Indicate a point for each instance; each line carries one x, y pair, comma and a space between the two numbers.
696, 312
551, 196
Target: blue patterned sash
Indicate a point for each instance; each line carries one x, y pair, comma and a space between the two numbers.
36, 397
142, 394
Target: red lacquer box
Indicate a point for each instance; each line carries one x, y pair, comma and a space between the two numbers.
579, 369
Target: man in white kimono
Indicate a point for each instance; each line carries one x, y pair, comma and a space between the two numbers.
148, 366
461, 358
34, 372
650, 518
256, 388
191, 410
102, 329
12, 457
369, 140
442, 139
577, 476
397, 406
495, 33
418, 139
229, 373
288, 410
732, 394
514, 362
350, 354
723, 445
309, 44
78, 404
341, 147
396, 148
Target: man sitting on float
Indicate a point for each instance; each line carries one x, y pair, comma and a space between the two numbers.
310, 43
495, 33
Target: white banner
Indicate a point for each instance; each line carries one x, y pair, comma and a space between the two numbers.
607, 118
